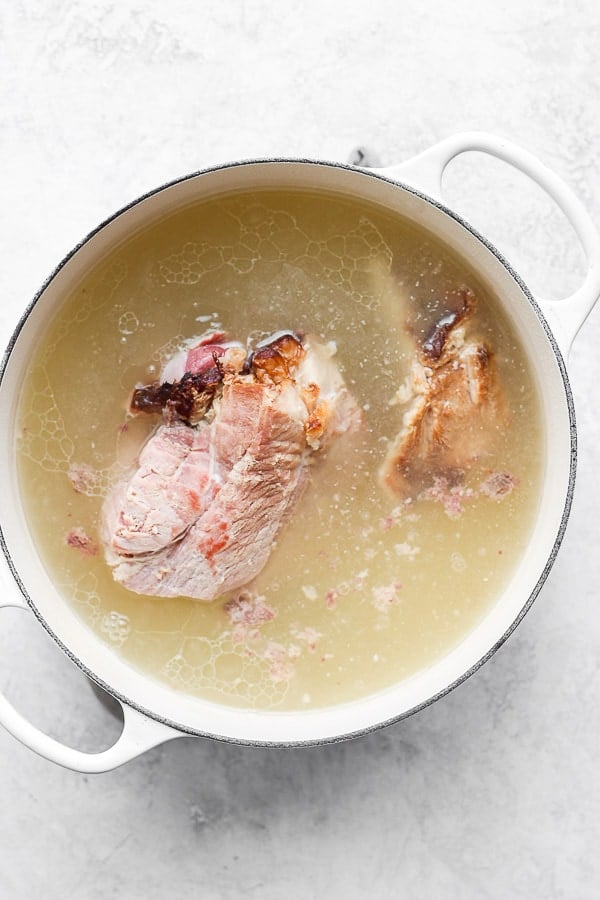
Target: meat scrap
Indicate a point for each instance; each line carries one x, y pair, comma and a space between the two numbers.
498, 485
199, 515
455, 404
80, 540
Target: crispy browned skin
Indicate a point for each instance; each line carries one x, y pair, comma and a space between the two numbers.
186, 400
274, 361
434, 343
455, 405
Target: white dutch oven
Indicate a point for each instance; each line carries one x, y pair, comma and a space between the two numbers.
154, 713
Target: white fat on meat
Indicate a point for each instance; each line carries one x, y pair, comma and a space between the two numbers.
332, 409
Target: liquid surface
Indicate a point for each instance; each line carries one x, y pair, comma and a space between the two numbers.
362, 589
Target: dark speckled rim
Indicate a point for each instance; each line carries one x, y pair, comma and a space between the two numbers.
565, 513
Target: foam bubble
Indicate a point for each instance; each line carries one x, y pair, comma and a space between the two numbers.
43, 437
268, 235
128, 323
230, 667
116, 627
86, 597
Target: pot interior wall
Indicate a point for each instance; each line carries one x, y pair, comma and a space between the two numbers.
198, 716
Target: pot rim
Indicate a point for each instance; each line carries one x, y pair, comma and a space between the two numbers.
379, 174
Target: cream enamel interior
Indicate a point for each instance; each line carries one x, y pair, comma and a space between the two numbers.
192, 714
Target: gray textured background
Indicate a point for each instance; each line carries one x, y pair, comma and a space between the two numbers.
493, 792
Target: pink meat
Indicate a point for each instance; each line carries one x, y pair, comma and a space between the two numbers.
231, 542
173, 484
199, 356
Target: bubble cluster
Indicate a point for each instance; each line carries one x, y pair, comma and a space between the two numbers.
116, 627
194, 261
229, 667
166, 350
85, 595
94, 482
271, 235
43, 435
128, 323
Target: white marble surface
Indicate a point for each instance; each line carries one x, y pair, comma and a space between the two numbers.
493, 792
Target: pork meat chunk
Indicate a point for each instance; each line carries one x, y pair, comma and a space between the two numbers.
247, 464
454, 405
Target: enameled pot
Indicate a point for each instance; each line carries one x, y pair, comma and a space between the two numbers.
153, 712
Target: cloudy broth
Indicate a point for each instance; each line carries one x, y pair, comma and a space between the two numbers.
362, 589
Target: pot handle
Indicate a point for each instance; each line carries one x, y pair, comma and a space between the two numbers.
138, 735
425, 172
